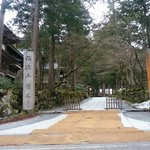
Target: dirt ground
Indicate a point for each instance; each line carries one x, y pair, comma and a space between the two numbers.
82, 127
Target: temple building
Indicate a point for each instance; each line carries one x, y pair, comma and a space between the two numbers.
12, 59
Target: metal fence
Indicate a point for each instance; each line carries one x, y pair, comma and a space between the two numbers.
113, 103
72, 104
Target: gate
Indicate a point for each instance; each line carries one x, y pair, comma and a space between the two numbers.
113, 103
72, 103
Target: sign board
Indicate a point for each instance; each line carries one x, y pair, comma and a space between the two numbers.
29, 81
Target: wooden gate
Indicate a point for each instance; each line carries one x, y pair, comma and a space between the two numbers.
113, 103
72, 103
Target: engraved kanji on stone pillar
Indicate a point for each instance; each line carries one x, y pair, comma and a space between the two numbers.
28, 81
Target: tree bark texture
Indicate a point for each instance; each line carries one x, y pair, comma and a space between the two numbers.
148, 44
51, 77
103, 89
58, 70
35, 28
2, 13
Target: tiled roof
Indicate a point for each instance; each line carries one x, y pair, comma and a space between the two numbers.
9, 37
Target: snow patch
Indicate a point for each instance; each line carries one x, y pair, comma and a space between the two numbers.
143, 105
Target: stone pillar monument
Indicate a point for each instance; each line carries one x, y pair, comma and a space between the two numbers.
29, 81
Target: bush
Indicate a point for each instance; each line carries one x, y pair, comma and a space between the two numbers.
133, 95
46, 100
17, 99
6, 83
43, 100
16, 96
18, 85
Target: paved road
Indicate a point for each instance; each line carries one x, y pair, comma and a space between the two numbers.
89, 104
144, 116
96, 103
129, 119
114, 146
27, 129
39, 118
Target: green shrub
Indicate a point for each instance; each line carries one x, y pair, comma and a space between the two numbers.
6, 83
17, 99
80, 87
18, 85
46, 100
16, 88
43, 100
133, 95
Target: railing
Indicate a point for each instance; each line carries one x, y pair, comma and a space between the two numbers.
72, 103
113, 103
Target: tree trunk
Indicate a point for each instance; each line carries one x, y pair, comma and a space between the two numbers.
73, 77
146, 19
103, 90
51, 77
39, 68
142, 70
2, 13
117, 84
58, 70
35, 28
97, 91
39, 72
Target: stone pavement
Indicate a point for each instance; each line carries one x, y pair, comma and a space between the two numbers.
96, 103
93, 124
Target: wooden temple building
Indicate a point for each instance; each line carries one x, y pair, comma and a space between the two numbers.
12, 59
